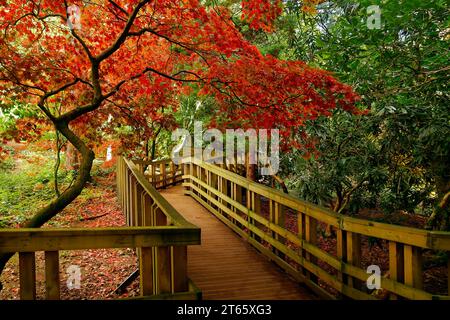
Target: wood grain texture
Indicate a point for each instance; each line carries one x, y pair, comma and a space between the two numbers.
225, 266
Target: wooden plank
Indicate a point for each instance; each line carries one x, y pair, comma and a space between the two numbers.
413, 266
279, 217
162, 170
147, 211
163, 259
354, 257
52, 290
138, 191
27, 272
229, 259
396, 261
311, 237
301, 233
179, 269
146, 281
163, 273
341, 250
56, 239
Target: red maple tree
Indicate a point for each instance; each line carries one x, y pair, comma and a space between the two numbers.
143, 53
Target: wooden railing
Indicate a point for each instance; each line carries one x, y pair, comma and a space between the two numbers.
157, 231
163, 269
160, 173
236, 201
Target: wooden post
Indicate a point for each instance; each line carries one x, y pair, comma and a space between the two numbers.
249, 205
179, 269
255, 201
153, 180
131, 201
237, 196
147, 217
354, 257
208, 182
311, 237
146, 271
214, 184
27, 271
413, 266
301, 235
396, 260
138, 191
278, 217
341, 250
52, 275
173, 172
163, 259
162, 170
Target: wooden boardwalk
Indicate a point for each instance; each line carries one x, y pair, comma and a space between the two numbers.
225, 266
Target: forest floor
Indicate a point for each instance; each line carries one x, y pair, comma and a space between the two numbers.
101, 270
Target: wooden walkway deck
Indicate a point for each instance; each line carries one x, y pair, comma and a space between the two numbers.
225, 266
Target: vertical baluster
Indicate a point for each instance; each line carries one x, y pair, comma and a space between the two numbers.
448, 273
52, 275
162, 172
138, 190
301, 235
249, 205
163, 259
153, 180
354, 256
146, 271
179, 269
255, 201
341, 250
27, 271
311, 237
277, 216
208, 182
132, 201
413, 266
396, 261
237, 196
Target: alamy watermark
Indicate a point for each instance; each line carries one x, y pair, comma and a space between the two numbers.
73, 277
374, 280
253, 146
74, 17
374, 17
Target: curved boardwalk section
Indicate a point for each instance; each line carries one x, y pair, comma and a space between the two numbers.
225, 266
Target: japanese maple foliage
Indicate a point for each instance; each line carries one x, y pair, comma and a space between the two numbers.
129, 59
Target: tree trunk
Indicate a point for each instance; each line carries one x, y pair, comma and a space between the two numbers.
57, 205
72, 159
281, 183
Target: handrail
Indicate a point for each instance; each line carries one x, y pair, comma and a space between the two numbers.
161, 173
155, 229
236, 201
45, 239
436, 240
175, 217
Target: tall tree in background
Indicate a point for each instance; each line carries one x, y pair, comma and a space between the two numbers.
398, 156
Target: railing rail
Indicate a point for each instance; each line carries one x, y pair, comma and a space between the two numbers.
236, 201
155, 229
160, 173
